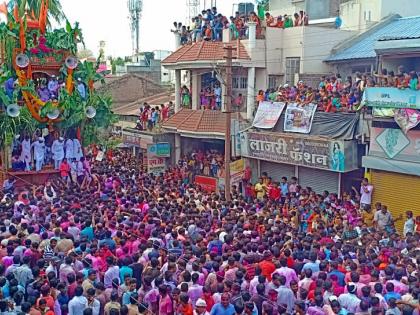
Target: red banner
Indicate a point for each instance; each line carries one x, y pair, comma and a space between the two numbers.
209, 184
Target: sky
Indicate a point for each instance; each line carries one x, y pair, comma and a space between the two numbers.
108, 20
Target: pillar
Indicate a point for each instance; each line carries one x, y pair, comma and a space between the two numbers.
177, 148
250, 101
252, 35
177, 90
223, 96
177, 40
195, 90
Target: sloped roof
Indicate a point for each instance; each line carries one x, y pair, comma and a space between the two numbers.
209, 122
205, 51
132, 109
363, 46
130, 88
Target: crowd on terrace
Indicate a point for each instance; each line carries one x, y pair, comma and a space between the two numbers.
209, 25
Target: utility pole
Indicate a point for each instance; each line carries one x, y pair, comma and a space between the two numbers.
228, 105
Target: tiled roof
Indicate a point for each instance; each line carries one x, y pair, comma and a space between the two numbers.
197, 122
205, 50
363, 46
132, 109
130, 88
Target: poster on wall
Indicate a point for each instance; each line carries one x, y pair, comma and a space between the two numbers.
299, 118
268, 113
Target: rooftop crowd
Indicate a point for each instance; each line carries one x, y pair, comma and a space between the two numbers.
335, 94
125, 242
209, 25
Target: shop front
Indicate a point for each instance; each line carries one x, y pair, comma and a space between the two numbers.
394, 163
317, 162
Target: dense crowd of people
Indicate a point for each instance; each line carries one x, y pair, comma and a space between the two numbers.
150, 117
209, 25
198, 162
127, 242
335, 94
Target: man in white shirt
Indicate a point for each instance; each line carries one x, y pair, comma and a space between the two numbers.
366, 190
78, 303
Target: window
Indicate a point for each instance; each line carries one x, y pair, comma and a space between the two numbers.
235, 82
244, 83
292, 68
273, 81
240, 83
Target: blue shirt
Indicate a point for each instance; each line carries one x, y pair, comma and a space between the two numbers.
391, 295
284, 189
219, 309
125, 270
311, 265
340, 276
88, 232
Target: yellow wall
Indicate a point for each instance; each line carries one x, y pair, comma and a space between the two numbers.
398, 192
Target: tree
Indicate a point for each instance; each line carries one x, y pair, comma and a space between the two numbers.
55, 10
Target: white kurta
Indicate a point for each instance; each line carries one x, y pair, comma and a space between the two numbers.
26, 151
77, 149
57, 150
69, 149
39, 150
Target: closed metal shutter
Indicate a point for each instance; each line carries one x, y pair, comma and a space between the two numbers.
276, 170
398, 192
318, 180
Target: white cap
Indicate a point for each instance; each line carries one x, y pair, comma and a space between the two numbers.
17, 137
40, 139
201, 303
286, 85
61, 139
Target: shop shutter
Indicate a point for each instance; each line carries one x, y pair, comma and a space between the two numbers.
318, 180
398, 192
276, 170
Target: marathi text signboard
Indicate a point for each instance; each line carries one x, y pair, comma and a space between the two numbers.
338, 156
394, 144
299, 118
161, 149
386, 97
156, 165
268, 114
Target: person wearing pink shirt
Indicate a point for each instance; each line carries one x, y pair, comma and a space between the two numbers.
285, 271
165, 302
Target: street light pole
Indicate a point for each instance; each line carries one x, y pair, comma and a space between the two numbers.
228, 105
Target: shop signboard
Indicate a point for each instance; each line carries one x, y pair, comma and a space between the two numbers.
160, 149
321, 153
155, 165
299, 118
394, 144
209, 184
388, 97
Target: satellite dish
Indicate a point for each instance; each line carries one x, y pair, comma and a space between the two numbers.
13, 110
22, 60
71, 62
90, 112
53, 114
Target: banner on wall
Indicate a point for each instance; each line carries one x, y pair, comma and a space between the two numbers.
268, 113
299, 118
388, 97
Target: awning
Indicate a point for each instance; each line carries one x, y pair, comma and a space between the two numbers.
395, 166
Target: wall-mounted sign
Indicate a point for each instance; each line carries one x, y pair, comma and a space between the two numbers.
334, 155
